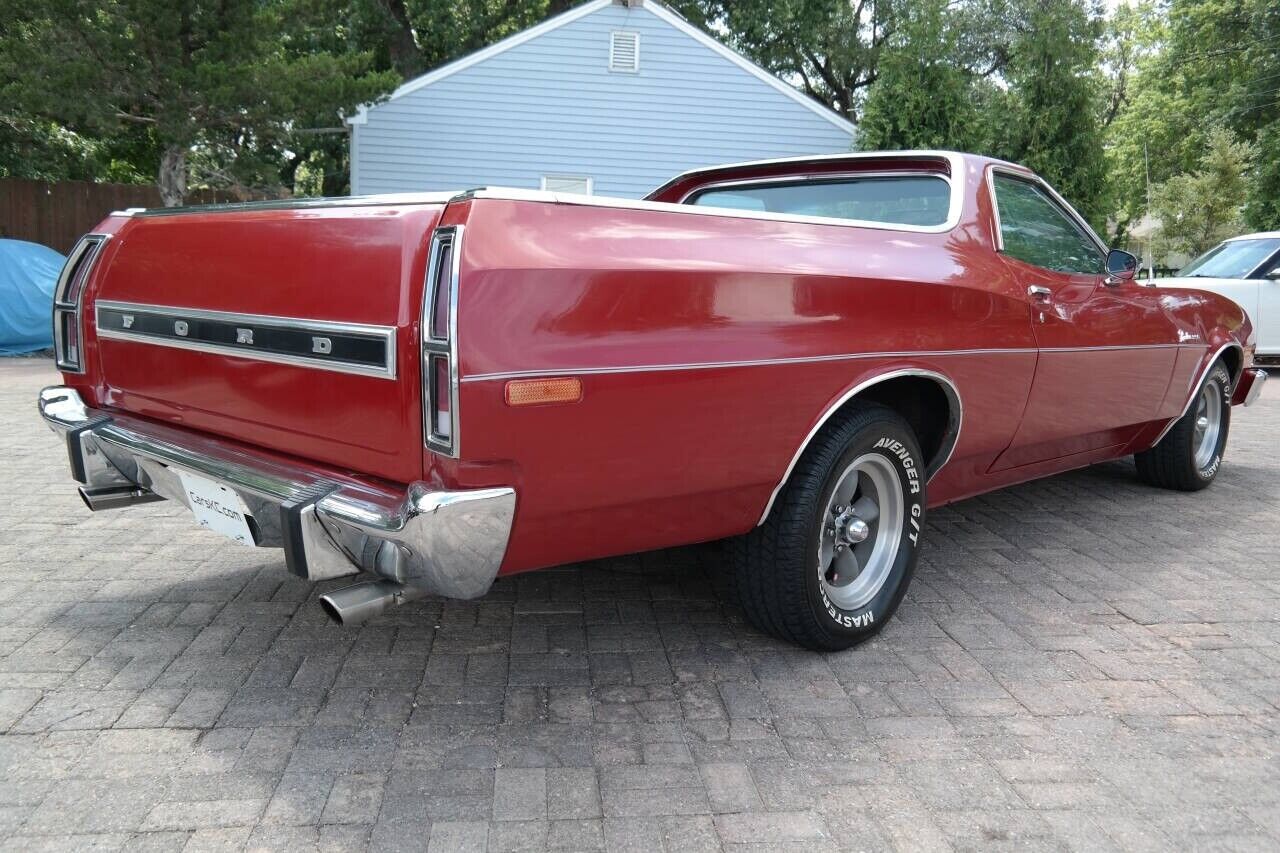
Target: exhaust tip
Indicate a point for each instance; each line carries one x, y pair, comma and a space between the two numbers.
331, 610
115, 497
355, 604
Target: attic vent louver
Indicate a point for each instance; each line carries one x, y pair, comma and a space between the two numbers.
624, 51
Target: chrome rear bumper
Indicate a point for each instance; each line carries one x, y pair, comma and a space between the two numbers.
450, 543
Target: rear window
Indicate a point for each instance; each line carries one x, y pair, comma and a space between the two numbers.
896, 199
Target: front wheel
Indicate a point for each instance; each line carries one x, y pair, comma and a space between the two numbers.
833, 560
1188, 457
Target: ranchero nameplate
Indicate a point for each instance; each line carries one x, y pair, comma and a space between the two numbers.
345, 347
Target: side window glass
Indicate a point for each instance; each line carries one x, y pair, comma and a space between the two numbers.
1034, 229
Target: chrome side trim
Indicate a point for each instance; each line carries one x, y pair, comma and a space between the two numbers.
386, 335
388, 200
813, 359
449, 543
1195, 385
949, 438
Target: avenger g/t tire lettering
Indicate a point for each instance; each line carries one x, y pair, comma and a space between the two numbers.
833, 560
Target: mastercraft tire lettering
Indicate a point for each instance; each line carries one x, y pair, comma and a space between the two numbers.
835, 556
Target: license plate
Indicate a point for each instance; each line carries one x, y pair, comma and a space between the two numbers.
217, 508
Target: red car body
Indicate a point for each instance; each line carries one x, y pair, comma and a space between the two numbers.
709, 346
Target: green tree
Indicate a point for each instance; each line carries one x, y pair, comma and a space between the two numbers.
923, 93
1200, 209
830, 48
1262, 212
1050, 121
406, 37
1151, 133
1206, 64
211, 85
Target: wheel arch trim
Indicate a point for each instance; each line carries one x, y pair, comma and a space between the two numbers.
1199, 379
946, 447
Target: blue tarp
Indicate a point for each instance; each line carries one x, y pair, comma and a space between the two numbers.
28, 273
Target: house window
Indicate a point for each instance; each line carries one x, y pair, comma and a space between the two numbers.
567, 184
624, 51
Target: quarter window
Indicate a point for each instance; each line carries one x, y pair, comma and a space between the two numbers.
1036, 230
891, 199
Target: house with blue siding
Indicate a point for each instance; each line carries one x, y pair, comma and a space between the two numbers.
613, 97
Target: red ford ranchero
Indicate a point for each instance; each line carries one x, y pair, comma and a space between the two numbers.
800, 357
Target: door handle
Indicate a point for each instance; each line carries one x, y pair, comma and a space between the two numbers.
1039, 292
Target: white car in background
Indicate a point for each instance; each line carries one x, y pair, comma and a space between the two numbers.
1245, 269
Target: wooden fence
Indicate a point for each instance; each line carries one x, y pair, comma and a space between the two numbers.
57, 214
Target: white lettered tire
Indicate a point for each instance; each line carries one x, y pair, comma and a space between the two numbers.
1189, 457
834, 558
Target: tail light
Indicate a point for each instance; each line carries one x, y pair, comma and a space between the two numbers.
440, 342
68, 295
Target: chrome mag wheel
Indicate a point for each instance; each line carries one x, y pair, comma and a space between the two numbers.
1208, 424
861, 531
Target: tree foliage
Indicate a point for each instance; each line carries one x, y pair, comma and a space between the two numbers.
830, 48
213, 83
1055, 100
923, 93
1200, 209
1202, 64
250, 94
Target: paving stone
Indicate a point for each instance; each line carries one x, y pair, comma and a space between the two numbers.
520, 794
1082, 663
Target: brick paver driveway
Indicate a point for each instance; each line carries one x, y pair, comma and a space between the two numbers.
1082, 663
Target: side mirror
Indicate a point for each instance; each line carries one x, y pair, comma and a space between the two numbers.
1273, 274
1121, 266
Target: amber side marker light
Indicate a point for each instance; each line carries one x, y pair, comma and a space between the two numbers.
535, 392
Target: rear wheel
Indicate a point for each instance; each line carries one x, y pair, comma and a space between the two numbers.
833, 559
1188, 457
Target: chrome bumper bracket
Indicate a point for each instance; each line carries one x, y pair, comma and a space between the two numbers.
448, 543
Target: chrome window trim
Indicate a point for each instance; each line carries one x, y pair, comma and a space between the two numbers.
86, 251
954, 158
1071, 214
447, 346
387, 334
956, 179
809, 359
954, 199
949, 438
1195, 385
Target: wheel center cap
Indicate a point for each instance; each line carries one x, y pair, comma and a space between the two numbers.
851, 529
856, 531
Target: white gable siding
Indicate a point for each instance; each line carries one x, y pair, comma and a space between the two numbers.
551, 106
